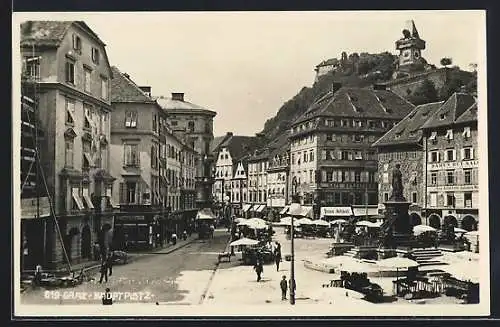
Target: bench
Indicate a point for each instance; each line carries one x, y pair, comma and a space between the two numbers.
226, 255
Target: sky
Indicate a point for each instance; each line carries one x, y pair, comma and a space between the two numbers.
245, 65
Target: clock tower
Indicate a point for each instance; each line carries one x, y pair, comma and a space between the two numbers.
410, 47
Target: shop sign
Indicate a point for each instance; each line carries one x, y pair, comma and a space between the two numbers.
455, 164
453, 188
336, 211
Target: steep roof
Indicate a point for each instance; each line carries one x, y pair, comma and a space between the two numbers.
239, 146
408, 130
50, 32
469, 116
359, 102
216, 142
170, 104
279, 145
123, 89
451, 110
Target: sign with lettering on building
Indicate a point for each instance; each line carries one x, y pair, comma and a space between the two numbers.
471, 187
336, 211
454, 164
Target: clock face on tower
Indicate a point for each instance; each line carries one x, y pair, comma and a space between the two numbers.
416, 54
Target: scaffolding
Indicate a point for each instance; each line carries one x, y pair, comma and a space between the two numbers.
30, 80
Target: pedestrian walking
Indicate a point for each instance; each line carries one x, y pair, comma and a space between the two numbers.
277, 259
184, 235
258, 269
104, 271
38, 275
284, 287
109, 263
174, 239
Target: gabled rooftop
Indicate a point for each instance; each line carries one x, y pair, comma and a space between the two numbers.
408, 130
123, 89
450, 112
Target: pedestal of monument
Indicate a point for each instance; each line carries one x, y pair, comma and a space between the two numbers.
398, 225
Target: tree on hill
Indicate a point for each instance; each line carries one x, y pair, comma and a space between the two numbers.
446, 62
425, 93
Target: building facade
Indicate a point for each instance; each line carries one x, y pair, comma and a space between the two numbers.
74, 111
198, 125
450, 145
403, 145
257, 181
332, 162
278, 175
137, 136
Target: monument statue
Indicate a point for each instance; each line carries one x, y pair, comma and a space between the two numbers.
397, 184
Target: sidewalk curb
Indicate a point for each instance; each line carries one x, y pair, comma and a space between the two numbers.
212, 276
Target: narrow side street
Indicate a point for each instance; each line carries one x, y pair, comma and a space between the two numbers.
177, 277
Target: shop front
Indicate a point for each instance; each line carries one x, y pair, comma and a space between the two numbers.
135, 231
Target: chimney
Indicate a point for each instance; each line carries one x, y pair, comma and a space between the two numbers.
178, 96
146, 89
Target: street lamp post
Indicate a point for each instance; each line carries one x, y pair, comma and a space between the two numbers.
295, 210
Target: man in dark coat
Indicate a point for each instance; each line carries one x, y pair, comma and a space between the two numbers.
258, 269
109, 262
277, 258
104, 271
284, 287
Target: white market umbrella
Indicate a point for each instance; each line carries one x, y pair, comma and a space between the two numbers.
459, 230
472, 233
239, 220
204, 216
462, 271
256, 225
397, 263
357, 266
365, 223
338, 221
338, 260
419, 229
287, 221
244, 241
305, 221
257, 221
320, 222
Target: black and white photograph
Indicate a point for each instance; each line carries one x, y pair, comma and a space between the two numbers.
315, 163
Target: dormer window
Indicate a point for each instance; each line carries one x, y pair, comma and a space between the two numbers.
449, 135
433, 137
466, 132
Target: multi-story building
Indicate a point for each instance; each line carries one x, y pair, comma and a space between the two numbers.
403, 145
332, 162
229, 153
137, 135
277, 175
198, 125
257, 180
239, 187
450, 144
325, 67
74, 110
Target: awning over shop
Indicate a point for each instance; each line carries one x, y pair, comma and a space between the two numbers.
246, 207
365, 211
336, 211
260, 208
255, 207
284, 210
306, 211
